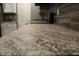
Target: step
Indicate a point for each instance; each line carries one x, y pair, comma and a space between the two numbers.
74, 23
38, 22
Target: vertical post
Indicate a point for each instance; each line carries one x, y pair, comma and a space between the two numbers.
57, 12
0, 30
17, 15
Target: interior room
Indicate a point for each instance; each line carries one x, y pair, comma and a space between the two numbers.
39, 29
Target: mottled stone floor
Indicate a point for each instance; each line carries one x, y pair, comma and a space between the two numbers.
40, 39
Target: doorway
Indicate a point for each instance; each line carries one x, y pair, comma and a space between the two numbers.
51, 18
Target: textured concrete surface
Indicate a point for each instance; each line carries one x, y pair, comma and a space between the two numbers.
8, 27
40, 39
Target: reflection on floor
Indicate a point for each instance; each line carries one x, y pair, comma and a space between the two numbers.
8, 27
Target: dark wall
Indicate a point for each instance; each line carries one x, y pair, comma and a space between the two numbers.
1, 17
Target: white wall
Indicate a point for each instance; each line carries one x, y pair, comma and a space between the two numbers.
35, 12
24, 13
9, 7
